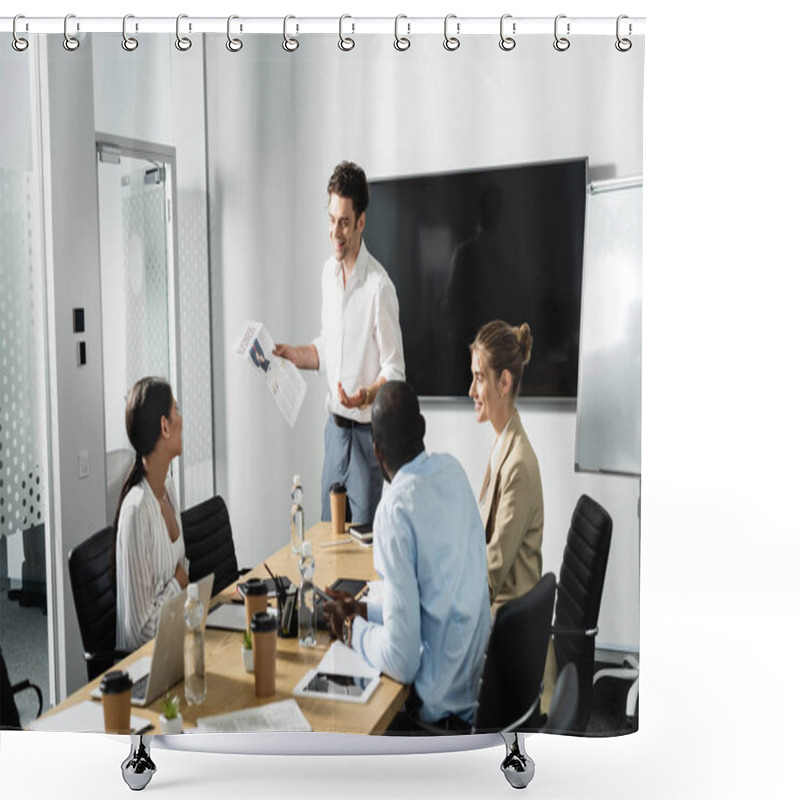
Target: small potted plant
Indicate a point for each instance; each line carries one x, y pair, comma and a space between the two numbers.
171, 719
247, 650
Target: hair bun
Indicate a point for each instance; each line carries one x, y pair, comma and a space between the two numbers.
525, 339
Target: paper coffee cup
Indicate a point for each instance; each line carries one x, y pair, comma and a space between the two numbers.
338, 494
255, 597
264, 629
115, 689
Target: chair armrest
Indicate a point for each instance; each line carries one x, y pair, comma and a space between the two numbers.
26, 684
575, 632
105, 655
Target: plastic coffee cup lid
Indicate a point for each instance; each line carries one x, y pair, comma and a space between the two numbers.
254, 586
338, 488
263, 622
115, 682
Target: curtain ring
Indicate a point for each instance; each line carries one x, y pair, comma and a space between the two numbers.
507, 42
70, 42
19, 43
561, 43
345, 42
128, 42
289, 44
451, 42
623, 45
183, 43
233, 44
401, 43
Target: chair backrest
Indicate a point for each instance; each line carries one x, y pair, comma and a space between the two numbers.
209, 543
95, 595
564, 703
511, 681
580, 589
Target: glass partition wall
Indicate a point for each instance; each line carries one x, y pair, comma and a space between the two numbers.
26, 626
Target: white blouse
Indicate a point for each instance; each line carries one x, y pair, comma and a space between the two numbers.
146, 562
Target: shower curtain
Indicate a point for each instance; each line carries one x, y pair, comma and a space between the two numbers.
508, 150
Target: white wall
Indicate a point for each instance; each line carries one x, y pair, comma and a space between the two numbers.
277, 124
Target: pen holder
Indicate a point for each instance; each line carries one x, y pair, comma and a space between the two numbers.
287, 614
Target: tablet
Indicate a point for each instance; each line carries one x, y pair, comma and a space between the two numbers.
350, 688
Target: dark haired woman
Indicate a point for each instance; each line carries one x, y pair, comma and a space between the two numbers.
151, 563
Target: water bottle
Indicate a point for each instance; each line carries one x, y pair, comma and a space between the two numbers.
298, 517
194, 664
306, 619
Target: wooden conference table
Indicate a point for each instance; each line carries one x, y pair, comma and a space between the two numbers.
230, 688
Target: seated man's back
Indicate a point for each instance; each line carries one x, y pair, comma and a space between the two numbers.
430, 549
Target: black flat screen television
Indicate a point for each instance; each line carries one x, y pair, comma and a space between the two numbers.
464, 248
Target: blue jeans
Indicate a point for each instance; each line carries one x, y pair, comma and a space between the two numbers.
349, 459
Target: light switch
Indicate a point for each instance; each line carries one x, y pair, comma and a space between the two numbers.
83, 464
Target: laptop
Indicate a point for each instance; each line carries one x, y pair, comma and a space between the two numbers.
153, 675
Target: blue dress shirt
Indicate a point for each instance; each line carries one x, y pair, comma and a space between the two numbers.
433, 624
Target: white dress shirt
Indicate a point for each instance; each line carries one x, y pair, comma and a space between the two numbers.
360, 339
146, 562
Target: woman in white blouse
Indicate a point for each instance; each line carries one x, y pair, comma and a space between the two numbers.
150, 557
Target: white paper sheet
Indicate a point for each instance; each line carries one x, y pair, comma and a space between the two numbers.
85, 717
284, 380
342, 660
281, 716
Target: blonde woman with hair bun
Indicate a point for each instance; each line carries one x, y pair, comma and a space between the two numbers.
511, 504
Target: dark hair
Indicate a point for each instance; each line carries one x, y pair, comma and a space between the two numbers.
505, 347
349, 180
398, 428
148, 401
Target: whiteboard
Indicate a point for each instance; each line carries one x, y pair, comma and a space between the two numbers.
609, 409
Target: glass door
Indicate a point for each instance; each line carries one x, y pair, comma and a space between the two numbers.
136, 278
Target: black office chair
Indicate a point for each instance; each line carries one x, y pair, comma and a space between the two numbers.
95, 596
209, 543
511, 681
580, 590
9, 714
564, 702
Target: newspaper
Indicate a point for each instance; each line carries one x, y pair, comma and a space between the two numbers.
284, 380
284, 715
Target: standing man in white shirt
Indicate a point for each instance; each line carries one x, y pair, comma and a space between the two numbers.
359, 348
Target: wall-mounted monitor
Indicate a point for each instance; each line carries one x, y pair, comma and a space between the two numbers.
467, 247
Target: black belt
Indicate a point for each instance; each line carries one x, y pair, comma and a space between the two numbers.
345, 422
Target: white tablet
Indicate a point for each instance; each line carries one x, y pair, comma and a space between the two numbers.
334, 686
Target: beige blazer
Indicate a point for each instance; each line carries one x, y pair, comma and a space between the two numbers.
512, 511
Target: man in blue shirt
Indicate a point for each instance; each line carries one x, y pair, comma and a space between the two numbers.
432, 625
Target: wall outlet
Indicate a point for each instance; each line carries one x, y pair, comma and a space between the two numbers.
83, 464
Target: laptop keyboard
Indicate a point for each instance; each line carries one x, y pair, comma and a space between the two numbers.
139, 689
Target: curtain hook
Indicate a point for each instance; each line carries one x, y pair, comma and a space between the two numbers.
451, 42
128, 42
233, 44
561, 43
623, 45
507, 42
401, 42
19, 43
183, 43
70, 42
289, 44
345, 42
